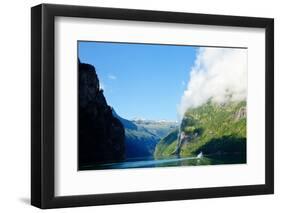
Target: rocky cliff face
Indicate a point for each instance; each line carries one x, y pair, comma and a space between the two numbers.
101, 135
211, 129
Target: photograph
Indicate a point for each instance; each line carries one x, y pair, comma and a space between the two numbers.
139, 105
160, 105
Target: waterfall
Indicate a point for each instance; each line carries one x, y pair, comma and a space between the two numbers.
200, 155
179, 140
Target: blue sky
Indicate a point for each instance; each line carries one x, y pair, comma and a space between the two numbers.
140, 80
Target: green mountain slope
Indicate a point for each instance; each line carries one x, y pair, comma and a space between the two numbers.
213, 129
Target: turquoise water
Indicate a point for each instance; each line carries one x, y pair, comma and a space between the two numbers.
149, 162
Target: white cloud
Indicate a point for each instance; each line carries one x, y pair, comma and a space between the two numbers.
217, 73
112, 77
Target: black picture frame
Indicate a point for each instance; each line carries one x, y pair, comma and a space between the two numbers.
43, 102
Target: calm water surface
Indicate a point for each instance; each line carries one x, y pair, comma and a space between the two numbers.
149, 162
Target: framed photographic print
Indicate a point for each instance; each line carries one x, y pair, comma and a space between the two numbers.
140, 106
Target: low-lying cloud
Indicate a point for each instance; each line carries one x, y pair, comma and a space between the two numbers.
219, 74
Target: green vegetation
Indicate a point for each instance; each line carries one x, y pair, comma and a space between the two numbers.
214, 129
166, 146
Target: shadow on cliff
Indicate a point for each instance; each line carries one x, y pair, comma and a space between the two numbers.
101, 135
228, 144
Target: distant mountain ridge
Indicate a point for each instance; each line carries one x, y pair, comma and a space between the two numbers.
141, 136
161, 128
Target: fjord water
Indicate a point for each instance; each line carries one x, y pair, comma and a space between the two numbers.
150, 162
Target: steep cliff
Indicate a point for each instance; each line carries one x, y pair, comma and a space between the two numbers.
211, 129
101, 135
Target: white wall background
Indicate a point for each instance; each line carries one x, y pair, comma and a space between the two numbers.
15, 105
